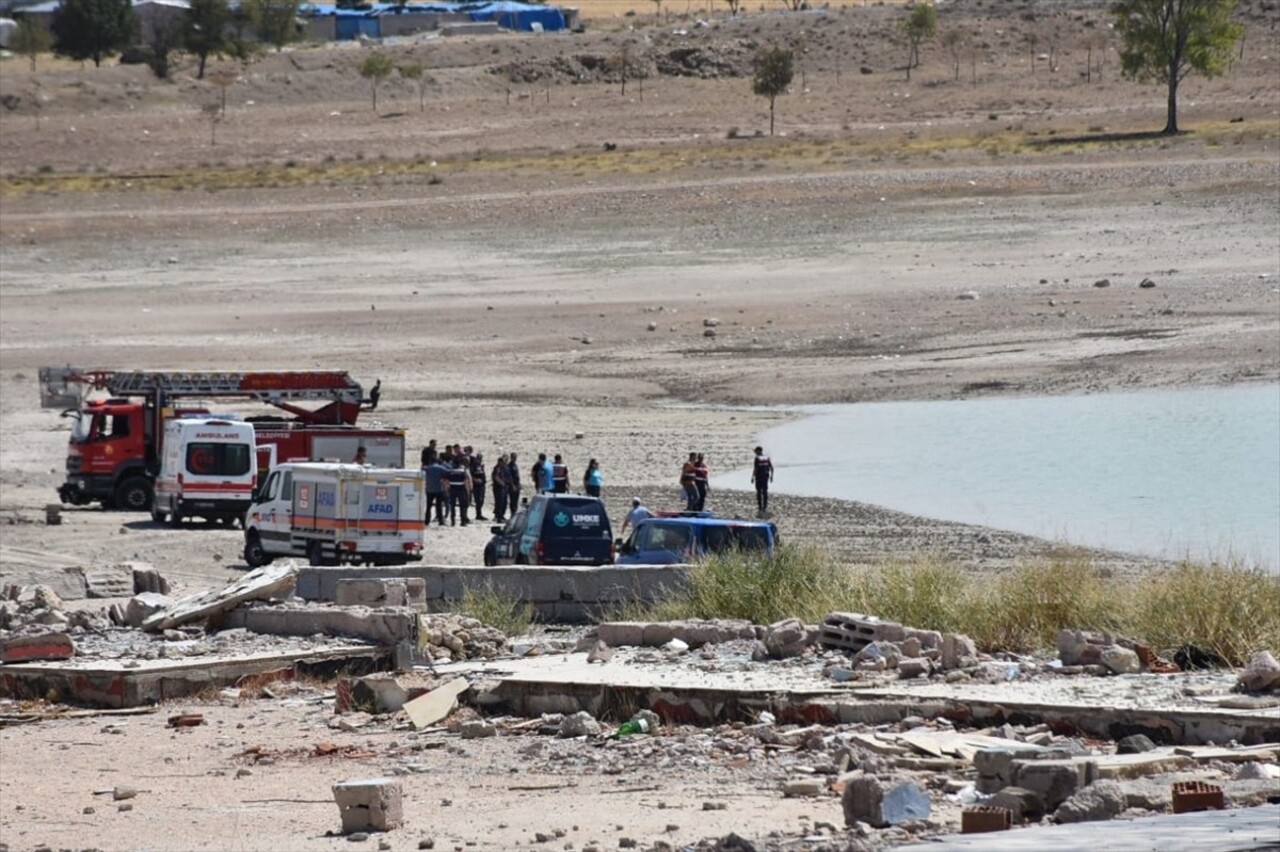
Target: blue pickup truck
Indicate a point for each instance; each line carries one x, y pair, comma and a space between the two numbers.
683, 537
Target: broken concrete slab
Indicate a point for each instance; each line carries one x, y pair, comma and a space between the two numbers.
385, 626
694, 632
435, 705
1054, 781
38, 646
112, 683
1207, 831
556, 593
266, 583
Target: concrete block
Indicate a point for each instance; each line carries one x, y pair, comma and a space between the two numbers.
868, 799
620, 634
914, 667
929, 639
370, 591
658, 633
141, 607
910, 647
995, 766
851, 631
1134, 744
956, 650
415, 591
1054, 780
43, 646
1024, 805
371, 804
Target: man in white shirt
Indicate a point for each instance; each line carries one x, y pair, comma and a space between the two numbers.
638, 513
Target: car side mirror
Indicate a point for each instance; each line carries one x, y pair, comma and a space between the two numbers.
496, 530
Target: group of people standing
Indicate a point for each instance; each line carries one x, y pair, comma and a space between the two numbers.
457, 479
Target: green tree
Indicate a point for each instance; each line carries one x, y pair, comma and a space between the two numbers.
773, 73
921, 24
417, 72
204, 30
274, 21
90, 29
1165, 40
30, 40
376, 67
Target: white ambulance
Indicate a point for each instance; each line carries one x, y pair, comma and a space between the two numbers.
332, 513
208, 469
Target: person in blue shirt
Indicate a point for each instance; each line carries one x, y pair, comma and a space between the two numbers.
543, 476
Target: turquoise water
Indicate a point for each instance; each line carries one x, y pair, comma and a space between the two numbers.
1166, 473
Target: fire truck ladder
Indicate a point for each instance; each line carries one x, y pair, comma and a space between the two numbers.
63, 386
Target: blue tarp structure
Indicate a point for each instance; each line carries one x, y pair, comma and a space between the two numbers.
508, 14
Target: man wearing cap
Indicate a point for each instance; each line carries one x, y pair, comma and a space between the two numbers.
637, 514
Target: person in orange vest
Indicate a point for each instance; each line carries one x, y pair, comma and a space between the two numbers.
559, 475
701, 476
687, 482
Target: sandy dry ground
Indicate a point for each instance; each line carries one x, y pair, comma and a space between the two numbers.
530, 287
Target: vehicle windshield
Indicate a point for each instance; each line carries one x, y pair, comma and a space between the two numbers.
81, 424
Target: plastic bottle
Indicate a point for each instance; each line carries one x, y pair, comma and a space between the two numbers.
635, 726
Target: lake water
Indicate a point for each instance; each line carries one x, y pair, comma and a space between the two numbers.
1165, 473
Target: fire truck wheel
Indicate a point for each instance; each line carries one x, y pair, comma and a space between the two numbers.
255, 556
134, 495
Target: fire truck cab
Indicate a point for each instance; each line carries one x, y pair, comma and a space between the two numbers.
116, 445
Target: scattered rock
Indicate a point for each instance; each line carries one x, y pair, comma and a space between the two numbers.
1262, 674
1146, 283
1102, 282
1134, 744
786, 638
1099, 801
868, 799
580, 724
967, 296
1121, 660
477, 729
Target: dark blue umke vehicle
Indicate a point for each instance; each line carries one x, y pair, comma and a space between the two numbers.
554, 529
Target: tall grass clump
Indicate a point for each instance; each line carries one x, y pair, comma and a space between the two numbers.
487, 606
1230, 610
1023, 609
796, 581
926, 593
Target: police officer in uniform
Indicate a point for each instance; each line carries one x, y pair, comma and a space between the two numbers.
559, 475
762, 475
478, 485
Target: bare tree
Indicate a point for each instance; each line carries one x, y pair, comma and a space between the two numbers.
223, 78
1094, 42
954, 41
212, 113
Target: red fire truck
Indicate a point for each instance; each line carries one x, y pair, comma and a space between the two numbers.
115, 448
